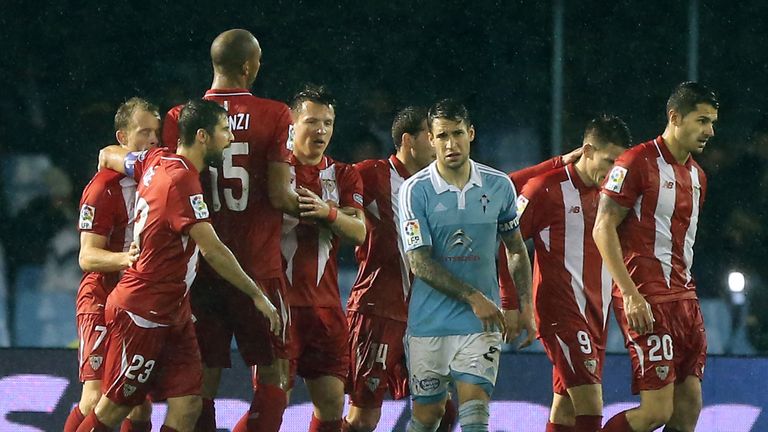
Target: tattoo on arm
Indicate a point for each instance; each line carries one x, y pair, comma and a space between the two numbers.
519, 265
438, 277
610, 209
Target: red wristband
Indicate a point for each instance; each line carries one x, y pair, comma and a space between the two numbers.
332, 214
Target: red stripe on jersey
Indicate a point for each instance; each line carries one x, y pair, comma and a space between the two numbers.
658, 234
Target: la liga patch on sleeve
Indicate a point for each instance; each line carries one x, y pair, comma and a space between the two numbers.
199, 206
412, 233
616, 179
87, 214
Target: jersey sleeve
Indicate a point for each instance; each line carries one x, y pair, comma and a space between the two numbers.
186, 205
507, 220
624, 183
350, 188
280, 147
521, 177
97, 209
171, 128
529, 206
414, 225
368, 178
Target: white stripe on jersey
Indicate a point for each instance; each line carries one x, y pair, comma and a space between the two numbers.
176, 159
690, 233
325, 235
492, 171
665, 208
606, 288
395, 182
128, 188
289, 242
573, 254
566, 352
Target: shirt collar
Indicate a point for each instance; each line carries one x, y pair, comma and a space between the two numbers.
667, 155
440, 185
399, 167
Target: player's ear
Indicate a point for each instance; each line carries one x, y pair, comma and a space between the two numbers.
471, 133
588, 150
120, 136
674, 117
201, 135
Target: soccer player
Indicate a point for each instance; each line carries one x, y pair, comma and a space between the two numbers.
450, 217
331, 209
151, 344
571, 287
106, 231
645, 230
377, 309
249, 193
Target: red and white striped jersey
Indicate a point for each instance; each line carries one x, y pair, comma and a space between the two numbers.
383, 278
169, 201
238, 194
570, 282
664, 199
106, 209
309, 248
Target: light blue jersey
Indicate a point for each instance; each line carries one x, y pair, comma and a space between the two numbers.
462, 227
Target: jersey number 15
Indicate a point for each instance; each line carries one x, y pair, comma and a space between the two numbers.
231, 171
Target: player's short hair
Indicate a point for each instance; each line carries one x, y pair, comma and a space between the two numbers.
125, 111
231, 49
450, 109
688, 94
607, 128
407, 120
312, 93
198, 114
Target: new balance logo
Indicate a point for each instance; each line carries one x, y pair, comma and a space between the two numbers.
574, 209
669, 184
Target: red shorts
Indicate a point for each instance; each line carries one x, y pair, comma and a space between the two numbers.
675, 350
163, 362
377, 360
318, 343
92, 331
576, 359
222, 311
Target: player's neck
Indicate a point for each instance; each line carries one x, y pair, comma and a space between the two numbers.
308, 160
224, 82
681, 155
581, 170
458, 176
194, 155
410, 165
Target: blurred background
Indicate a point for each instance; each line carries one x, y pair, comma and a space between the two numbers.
531, 74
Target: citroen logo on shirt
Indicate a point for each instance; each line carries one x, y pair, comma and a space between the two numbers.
460, 239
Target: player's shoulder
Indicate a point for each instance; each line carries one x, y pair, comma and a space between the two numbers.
492, 175
265, 106
420, 180
173, 113
547, 179
369, 165
645, 151
102, 181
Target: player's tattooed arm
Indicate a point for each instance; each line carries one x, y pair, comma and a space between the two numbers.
519, 265
609, 216
438, 277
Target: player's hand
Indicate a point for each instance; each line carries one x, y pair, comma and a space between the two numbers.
572, 157
487, 311
528, 324
638, 312
268, 310
511, 320
311, 205
132, 255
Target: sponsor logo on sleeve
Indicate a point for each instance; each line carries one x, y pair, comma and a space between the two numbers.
199, 206
412, 233
87, 214
616, 179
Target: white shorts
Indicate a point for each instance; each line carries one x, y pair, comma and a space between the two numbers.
434, 361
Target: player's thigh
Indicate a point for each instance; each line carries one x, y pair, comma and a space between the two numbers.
429, 364
377, 360
577, 362
255, 341
213, 322
183, 412
131, 359
687, 404
92, 332
476, 364
180, 369
326, 344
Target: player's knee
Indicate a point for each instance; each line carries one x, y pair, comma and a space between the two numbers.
275, 374
185, 411
656, 416
88, 401
474, 415
363, 420
141, 412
